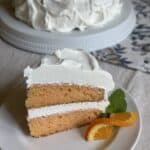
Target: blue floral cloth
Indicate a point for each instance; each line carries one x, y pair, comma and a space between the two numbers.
134, 52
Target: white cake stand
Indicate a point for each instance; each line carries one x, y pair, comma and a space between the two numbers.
24, 37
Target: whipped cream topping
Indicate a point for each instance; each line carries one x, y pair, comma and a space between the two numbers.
64, 108
68, 66
66, 15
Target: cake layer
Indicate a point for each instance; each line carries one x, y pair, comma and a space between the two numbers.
43, 95
55, 123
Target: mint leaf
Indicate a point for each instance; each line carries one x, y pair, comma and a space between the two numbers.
117, 102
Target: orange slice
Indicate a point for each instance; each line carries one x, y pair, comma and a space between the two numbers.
102, 128
124, 119
98, 132
119, 119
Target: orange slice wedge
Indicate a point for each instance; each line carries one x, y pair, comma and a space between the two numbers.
98, 132
119, 119
124, 119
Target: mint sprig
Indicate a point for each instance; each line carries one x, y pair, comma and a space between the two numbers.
117, 103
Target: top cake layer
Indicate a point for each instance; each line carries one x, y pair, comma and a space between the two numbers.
69, 66
66, 15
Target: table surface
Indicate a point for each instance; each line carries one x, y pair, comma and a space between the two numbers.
13, 61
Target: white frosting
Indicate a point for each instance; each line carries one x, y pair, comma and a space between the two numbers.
64, 108
69, 66
66, 15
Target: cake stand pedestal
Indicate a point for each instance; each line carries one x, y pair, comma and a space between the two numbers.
24, 37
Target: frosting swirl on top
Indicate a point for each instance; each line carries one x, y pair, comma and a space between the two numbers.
71, 67
66, 15
73, 59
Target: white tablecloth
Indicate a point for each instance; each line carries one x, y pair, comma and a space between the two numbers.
13, 61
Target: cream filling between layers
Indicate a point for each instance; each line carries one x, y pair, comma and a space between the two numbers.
64, 108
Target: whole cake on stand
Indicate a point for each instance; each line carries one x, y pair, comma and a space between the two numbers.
66, 15
86, 24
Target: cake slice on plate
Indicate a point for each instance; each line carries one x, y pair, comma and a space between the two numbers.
67, 90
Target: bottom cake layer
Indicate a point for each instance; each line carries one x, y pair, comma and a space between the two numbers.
44, 126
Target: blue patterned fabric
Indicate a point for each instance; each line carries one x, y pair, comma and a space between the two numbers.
134, 52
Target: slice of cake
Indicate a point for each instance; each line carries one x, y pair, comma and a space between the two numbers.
66, 15
67, 90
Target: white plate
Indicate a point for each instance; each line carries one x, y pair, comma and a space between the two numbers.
12, 137
23, 36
